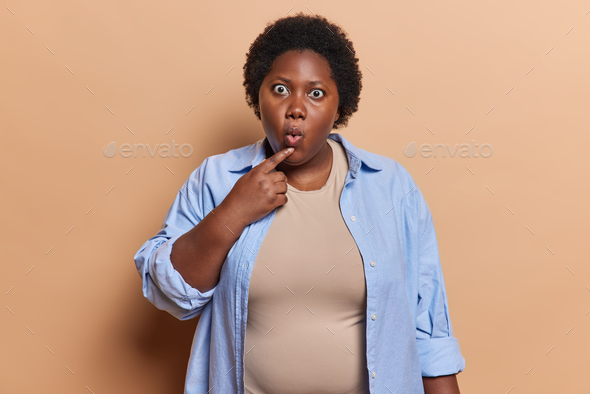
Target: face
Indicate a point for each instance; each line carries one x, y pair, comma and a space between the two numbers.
298, 96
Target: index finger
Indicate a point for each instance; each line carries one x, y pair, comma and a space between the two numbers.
267, 165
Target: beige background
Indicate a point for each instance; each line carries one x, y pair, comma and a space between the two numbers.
75, 319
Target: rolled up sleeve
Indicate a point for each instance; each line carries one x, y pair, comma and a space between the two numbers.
162, 284
438, 349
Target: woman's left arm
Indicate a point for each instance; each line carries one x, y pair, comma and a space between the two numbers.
439, 352
446, 384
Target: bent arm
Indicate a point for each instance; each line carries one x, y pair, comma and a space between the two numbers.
199, 254
180, 266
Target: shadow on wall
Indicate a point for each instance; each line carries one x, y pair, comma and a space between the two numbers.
164, 343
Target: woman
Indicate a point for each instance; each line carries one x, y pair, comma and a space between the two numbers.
312, 264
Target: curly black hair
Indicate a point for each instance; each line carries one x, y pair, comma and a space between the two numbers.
305, 32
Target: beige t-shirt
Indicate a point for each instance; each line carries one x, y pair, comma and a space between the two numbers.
306, 329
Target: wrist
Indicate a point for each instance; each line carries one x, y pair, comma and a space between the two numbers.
233, 215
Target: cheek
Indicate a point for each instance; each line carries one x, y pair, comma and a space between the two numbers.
263, 102
326, 115
268, 115
269, 109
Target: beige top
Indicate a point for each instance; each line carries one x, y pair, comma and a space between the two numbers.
307, 298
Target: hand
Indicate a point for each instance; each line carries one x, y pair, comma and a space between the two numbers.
258, 192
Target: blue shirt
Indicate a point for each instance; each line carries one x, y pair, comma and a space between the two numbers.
408, 330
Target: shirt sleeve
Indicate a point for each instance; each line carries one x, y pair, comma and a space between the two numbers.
162, 284
438, 349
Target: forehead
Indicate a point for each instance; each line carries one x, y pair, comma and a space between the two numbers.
303, 64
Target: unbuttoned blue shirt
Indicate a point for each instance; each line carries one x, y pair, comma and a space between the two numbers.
408, 331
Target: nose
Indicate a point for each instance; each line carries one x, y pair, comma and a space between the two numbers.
296, 108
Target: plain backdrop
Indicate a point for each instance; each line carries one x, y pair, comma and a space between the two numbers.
512, 228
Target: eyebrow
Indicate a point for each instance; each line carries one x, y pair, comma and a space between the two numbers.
309, 83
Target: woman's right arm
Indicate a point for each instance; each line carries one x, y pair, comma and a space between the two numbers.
180, 266
198, 255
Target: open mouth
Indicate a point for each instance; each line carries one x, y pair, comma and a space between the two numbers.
293, 140
294, 136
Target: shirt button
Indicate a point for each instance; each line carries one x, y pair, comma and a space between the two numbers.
373, 374
353, 218
373, 316
372, 263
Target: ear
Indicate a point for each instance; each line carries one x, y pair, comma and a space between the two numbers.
337, 114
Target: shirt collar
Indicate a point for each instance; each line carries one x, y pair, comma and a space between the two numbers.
256, 153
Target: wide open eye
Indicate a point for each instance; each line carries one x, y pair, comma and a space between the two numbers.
280, 89
317, 96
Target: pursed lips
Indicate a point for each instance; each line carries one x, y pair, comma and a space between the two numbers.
294, 130
293, 135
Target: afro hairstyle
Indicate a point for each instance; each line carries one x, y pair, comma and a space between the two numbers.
305, 32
